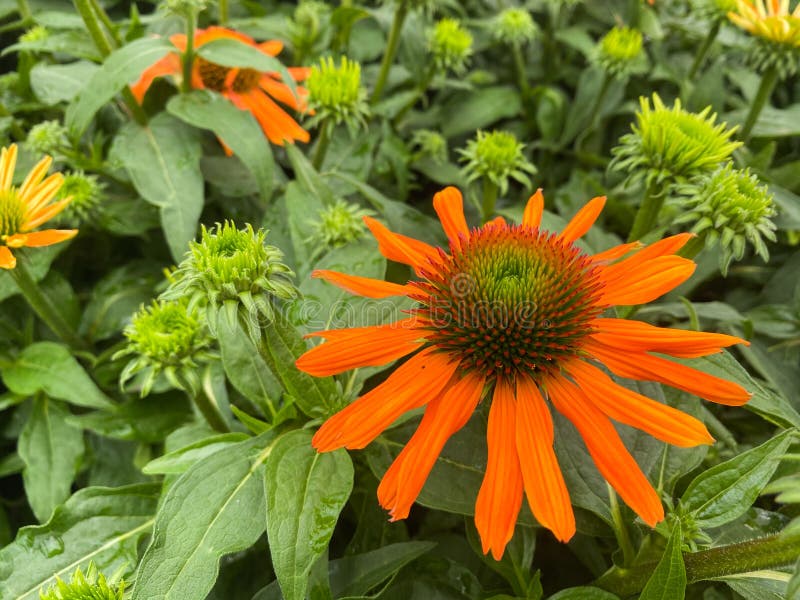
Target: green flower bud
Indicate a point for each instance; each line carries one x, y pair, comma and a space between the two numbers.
430, 144
185, 8
47, 137
166, 337
92, 586
620, 51
87, 196
733, 208
497, 156
672, 145
336, 93
309, 27
451, 46
339, 224
514, 26
35, 34
236, 268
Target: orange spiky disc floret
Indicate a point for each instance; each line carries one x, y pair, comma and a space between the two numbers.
512, 314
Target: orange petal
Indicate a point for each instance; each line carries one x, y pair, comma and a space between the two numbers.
646, 281
643, 337
362, 286
169, 65
613, 460
616, 252
497, 222
640, 365
361, 347
544, 483
277, 125
36, 198
7, 260
626, 406
209, 34
532, 216
299, 73
583, 220
411, 385
37, 239
271, 47
45, 214
35, 177
449, 206
445, 414
283, 93
8, 160
401, 248
500, 496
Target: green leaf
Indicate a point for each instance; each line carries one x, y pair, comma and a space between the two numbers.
213, 509
668, 581
50, 368
308, 177
163, 161
179, 461
479, 109
121, 67
243, 365
774, 587
356, 575
583, 593
306, 491
237, 128
101, 525
772, 122
60, 83
726, 491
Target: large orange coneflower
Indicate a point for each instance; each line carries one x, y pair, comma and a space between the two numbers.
515, 313
24, 208
248, 89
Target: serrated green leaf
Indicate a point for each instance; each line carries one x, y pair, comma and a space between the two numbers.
237, 128
306, 491
50, 368
213, 509
668, 581
99, 525
163, 161
726, 491
122, 67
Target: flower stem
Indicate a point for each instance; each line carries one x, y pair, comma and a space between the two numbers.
87, 13
647, 216
24, 10
223, 12
109, 25
519, 69
768, 81
188, 55
620, 530
391, 49
703, 50
419, 92
489, 198
209, 410
43, 305
767, 552
323, 142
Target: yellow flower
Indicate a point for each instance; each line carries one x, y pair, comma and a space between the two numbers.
770, 20
24, 208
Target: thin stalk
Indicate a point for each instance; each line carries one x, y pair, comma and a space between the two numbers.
188, 55
107, 23
223, 12
489, 198
24, 10
323, 142
43, 305
519, 69
647, 216
768, 552
620, 530
209, 410
421, 89
768, 81
704, 48
391, 49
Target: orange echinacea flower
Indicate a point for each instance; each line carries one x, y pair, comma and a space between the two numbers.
248, 89
518, 310
28, 206
769, 19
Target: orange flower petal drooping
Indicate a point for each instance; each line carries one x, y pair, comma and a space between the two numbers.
512, 314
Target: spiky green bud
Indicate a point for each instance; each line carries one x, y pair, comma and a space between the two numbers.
339, 224
497, 156
429, 143
35, 34
619, 52
233, 267
672, 145
335, 92
47, 137
451, 46
514, 26
87, 197
92, 586
733, 208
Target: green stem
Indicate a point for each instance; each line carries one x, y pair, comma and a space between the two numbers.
323, 142
188, 55
768, 552
768, 81
223, 12
519, 69
391, 49
209, 410
107, 23
647, 216
620, 530
421, 89
703, 50
24, 10
489, 198
44, 306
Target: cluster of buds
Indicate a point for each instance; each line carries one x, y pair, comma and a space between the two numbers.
339, 224
47, 137
429, 144
87, 196
92, 586
497, 156
619, 53
450, 44
335, 93
514, 26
